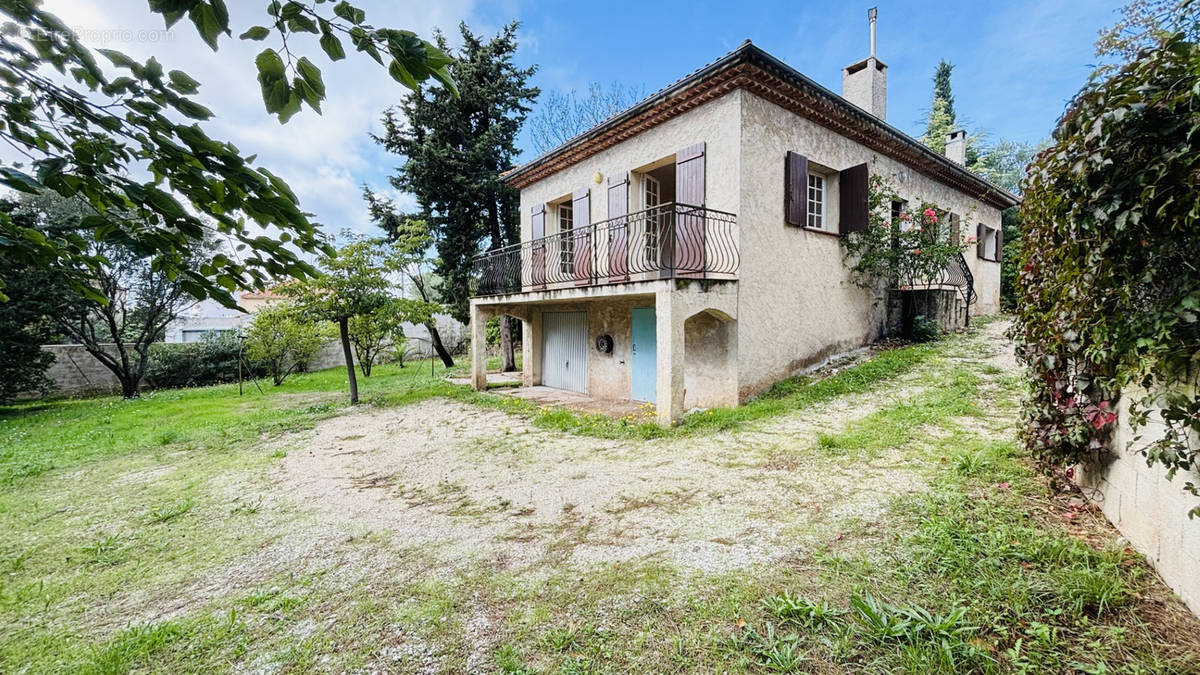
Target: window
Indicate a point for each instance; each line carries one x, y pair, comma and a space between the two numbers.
991, 244
566, 223
651, 198
901, 215
816, 201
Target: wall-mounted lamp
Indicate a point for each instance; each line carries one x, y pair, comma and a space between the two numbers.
597, 178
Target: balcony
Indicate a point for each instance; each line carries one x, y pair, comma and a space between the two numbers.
671, 241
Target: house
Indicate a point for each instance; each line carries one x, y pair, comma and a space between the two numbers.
208, 317
686, 252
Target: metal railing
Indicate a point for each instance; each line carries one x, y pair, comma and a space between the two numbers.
957, 274
663, 242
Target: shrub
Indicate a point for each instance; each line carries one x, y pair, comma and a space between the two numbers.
212, 360
281, 341
1108, 287
925, 328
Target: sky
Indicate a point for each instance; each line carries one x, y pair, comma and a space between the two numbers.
1016, 64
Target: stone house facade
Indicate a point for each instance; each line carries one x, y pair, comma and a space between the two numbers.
686, 251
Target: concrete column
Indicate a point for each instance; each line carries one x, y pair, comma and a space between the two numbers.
669, 317
479, 319
531, 348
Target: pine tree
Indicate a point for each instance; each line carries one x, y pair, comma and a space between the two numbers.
455, 150
941, 118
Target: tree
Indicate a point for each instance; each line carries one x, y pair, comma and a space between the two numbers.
410, 240
23, 331
130, 301
561, 117
455, 151
1145, 24
941, 118
127, 139
282, 341
371, 334
352, 282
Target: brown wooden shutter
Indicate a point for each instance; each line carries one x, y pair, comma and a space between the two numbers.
688, 241
999, 244
538, 247
980, 248
618, 230
795, 189
581, 210
952, 222
852, 186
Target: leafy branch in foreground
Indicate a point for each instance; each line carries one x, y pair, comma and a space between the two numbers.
110, 135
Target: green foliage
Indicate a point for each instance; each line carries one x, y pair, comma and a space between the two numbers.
281, 340
23, 328
125, 137
925, 328
1109, 291
941, 119
212, 360
910, 249
455, 150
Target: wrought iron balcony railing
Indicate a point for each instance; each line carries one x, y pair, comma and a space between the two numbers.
667, 241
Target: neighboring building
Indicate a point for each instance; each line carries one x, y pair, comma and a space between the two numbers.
208, 317
686, 251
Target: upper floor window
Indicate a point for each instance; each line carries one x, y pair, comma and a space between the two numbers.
566, 241
816, 201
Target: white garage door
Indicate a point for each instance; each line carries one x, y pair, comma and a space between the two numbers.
564, 350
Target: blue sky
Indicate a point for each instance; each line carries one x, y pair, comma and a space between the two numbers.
1016, 65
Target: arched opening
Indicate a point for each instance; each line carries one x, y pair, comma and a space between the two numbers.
710, 360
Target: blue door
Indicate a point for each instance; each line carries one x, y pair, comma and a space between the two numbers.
645, 359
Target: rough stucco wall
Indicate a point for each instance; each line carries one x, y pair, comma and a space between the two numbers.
706, 372
1150, 510
798, 303
715, 123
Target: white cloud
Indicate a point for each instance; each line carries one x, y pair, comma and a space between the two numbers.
324, 158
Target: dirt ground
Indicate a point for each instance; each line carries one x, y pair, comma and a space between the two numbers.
469, 485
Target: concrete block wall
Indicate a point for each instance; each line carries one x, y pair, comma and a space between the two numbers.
1148, 509
75, 371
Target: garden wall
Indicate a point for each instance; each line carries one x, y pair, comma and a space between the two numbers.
75, 371
1148, 509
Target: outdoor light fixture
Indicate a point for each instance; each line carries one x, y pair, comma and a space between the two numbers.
596, 178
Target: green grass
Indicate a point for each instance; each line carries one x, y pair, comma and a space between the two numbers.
136, 509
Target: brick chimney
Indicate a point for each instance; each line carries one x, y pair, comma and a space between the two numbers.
956, 146
865, 83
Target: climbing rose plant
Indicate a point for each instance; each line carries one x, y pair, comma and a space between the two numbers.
911, 249
1109, 284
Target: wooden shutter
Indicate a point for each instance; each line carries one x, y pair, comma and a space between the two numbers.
538, 247
952, 222
980, 246
795, 189
581, 210
999, 244
852, 186
688, 242
618, 230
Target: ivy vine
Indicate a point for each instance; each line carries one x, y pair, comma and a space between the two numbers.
1108, 290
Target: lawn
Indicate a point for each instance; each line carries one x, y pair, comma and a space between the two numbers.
879, 518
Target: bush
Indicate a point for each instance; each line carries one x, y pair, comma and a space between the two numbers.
212, 360
1108, 288
925, 328
282, 341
